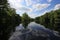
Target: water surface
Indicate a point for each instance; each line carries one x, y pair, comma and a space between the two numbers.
34, 31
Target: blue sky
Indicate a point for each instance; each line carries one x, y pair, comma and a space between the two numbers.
34, 8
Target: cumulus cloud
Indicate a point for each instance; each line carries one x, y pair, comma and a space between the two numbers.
31, 2
49, 0
57, 6
20, 9
15, 3
25, 9
40, 6
32, 15
28, 2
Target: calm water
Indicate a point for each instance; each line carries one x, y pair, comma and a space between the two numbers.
34, 32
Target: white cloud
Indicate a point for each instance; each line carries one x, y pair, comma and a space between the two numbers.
32, 15
40, 6
40, 14
46, 11
15, 3
31, 2
20, 9
57, 6
28, 2
25, 9
49, 0
18, 6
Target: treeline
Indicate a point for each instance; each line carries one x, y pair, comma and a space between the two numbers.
26, 20
8, 20
50, 20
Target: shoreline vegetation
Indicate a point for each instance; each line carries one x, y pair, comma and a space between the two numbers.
9, 20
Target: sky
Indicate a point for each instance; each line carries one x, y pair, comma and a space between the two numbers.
34, 8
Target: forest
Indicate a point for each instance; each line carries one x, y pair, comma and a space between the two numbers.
9, 20
50, 20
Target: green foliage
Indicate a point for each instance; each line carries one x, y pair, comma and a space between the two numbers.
8, 20
50, 20
25, 20
37, 19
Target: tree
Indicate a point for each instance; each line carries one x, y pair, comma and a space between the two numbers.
37, 19
8, 20
51, 20
25, 20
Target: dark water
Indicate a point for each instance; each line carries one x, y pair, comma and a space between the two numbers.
34, 31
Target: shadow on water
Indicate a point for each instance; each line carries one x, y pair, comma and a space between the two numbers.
34, 31
6, 30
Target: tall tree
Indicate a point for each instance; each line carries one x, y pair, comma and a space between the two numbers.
25, 20
8, 20
37, 19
